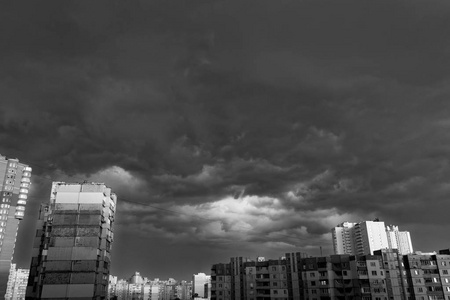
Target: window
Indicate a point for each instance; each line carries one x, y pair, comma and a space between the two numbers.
313, 291
313, 283
416, 272
444, 271
420, 290
312, 275
322, 273
373, 264
275, 292
374, 272
323, 282
274, 268
443, 263
344, 272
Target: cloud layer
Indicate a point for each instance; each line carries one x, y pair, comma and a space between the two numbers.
243, 127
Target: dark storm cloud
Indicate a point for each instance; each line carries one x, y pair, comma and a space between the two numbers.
256, 120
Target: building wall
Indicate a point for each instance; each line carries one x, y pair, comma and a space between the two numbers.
72, 248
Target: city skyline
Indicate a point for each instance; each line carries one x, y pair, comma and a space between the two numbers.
231, 128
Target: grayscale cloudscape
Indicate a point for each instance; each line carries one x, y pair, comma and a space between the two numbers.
232, 128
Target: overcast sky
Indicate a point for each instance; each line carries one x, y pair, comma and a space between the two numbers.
248, 128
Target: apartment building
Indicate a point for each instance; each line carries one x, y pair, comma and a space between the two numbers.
382, 276
15, 178
71, 254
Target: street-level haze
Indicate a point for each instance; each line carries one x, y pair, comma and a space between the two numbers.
244, 128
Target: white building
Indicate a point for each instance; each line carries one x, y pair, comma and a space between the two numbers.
365, 237
198, 284
400, 240
370, 236
343, 238
17, 283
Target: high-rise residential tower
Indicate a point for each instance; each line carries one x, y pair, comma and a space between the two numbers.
343, 238
370, 236
71, 254
15, 178
400, 240
364, 238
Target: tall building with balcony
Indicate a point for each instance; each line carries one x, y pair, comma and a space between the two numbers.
17, 284
343, 238
370, 236
15, 178
400, 240
71, 254
244, 278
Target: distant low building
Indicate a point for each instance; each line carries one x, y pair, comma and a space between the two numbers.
198, 285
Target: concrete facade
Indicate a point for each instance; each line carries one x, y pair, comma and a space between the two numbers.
15, 178
71, 254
